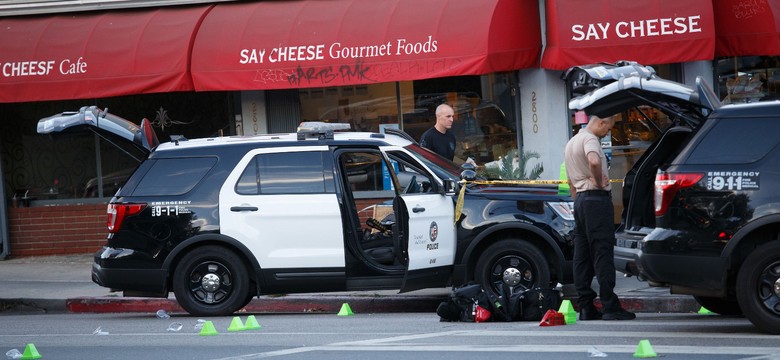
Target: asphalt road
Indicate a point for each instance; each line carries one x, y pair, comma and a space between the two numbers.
381, 336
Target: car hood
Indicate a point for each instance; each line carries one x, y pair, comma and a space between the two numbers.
101, 122
613, 92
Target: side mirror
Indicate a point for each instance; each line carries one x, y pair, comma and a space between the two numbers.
450, 186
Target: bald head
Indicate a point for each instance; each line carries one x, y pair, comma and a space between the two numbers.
445, 115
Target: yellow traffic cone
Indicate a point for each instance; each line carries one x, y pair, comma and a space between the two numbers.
704, 311
208, 329
236, 324
30, 353
251, 323
644, 350
345, 310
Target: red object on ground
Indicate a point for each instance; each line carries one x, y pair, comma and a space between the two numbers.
552, 318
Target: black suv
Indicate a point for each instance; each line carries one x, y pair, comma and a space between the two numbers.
221, 220
702, 204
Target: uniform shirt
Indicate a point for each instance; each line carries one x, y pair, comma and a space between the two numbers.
576, 160
442, 144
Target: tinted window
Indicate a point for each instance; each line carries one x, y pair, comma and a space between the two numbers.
286, 173
173, 176
736, 141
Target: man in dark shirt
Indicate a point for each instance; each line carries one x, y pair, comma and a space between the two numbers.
438, 138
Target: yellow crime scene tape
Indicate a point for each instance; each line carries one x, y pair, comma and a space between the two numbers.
463, 183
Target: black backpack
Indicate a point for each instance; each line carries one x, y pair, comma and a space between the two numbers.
462, 303
532, 304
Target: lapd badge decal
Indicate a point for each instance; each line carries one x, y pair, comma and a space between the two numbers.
433, 233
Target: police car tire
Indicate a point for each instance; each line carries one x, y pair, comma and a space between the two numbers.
497, 254
188, 273
755, 283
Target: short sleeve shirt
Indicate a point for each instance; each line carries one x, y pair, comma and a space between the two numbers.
442, 144
576, 160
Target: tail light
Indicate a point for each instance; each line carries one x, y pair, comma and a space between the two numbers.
666, 186
118, 212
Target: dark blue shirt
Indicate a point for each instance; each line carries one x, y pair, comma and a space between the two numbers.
442, 144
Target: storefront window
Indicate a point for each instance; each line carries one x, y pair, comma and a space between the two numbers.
484, 125
41, 170
748, 79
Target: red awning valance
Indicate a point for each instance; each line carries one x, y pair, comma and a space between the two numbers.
308, 43
747, 28
93, 55
649, 32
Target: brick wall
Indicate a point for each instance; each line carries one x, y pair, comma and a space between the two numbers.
56, 230
81, 229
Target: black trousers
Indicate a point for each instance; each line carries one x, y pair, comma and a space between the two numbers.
594, 241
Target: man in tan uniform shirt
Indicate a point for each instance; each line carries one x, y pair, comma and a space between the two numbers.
594, 232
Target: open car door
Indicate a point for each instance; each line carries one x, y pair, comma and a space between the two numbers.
104, 124
426, 227
430, 240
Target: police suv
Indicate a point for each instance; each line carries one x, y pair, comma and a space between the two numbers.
221, 220
701, 206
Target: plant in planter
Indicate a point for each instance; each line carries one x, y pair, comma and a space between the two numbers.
514, 166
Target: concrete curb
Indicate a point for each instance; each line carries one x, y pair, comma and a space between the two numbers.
304, 304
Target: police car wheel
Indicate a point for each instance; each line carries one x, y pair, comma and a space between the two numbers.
758, 287
515, 263
211, 281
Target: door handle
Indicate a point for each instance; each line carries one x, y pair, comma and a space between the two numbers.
243, 208
418, 209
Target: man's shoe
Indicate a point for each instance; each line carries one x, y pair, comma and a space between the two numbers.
590, 314
619, 315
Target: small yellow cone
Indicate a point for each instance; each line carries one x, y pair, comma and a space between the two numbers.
704, 311
251, 323
208, 329
30, 353
345, 310
644, 350
236, 324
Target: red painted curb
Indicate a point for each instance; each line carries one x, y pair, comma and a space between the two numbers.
262, 305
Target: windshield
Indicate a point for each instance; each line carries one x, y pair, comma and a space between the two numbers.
441, 167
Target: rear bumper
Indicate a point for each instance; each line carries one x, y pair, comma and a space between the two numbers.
658, 259
119, 269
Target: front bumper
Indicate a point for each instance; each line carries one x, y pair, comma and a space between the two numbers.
124, 269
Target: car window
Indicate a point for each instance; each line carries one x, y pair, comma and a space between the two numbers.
728, 142
365, 171
174, 176
286, 173
408, 170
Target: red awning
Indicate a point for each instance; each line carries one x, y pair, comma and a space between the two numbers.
308, 43
649, 32
747, 28
94, 55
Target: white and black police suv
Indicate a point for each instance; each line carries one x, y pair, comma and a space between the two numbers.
701, 206
221, 220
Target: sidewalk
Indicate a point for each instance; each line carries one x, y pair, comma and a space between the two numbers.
56, 284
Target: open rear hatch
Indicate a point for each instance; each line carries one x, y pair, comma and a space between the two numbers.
106, 125
609, 89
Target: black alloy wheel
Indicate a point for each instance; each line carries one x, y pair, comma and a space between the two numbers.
758, 287
211, 281
514, 264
